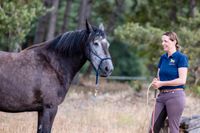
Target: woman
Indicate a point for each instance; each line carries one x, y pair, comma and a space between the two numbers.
172, 74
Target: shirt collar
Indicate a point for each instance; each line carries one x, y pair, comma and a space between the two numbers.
173, 55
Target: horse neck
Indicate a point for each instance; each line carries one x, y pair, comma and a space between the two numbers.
66, 67
71, 65
67, 63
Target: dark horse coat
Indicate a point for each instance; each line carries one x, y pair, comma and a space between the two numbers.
38, 78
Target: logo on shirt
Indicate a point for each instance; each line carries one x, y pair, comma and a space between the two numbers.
172, 62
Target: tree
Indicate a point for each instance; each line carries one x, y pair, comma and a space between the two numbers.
116, 13
192, 5
52, 20
146, 39
16, 19
66, 15
143, 40
173, 11
42, 24
83, 13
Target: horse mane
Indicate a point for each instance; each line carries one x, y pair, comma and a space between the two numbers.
69, 43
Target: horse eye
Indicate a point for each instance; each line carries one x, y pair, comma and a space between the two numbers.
96, 44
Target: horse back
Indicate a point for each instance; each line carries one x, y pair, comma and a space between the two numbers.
27, 81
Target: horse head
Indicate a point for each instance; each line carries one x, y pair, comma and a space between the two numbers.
98, 50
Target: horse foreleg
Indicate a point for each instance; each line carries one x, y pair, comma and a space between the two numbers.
45, 119
39, 124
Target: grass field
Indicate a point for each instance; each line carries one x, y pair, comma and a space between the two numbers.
116, 109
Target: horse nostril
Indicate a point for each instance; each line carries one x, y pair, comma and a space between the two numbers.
106, 69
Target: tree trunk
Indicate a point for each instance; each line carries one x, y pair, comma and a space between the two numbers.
66, 16
115, 14
52, 21
88, 13
41, 30
192, 5
173, 11
82, 13
135, 3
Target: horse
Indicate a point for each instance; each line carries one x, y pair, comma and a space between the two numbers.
38, 77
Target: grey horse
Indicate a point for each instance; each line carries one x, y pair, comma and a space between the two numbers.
38, 78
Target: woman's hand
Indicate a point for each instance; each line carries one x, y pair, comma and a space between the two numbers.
156, 83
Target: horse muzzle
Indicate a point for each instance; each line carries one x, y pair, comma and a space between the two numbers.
106, 68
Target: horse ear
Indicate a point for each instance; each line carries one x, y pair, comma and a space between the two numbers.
88, 27
101, 27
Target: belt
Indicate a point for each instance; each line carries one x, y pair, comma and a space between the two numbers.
171, 90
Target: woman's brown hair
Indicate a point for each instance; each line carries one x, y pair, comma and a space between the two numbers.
173, 37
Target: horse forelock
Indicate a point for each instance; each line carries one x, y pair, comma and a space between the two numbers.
98, 32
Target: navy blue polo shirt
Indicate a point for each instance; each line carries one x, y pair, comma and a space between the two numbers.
169, 67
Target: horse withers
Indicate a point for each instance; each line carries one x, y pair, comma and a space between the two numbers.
38, 78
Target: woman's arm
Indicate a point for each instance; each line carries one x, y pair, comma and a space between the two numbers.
179, 81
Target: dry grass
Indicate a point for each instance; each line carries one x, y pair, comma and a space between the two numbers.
116, 109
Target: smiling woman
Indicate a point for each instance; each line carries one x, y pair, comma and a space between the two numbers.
172, 74
169, 39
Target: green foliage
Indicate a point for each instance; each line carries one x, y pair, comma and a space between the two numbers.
16, 18
140, 34
72, 19
190, 41
101, 12
189, 34
145, 40
125, 61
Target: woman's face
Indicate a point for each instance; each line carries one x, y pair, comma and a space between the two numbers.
167, 43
